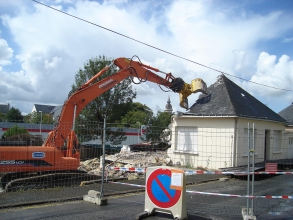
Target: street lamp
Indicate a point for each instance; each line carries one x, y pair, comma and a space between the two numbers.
138, 131
41, 123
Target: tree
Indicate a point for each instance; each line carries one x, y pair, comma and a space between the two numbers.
38, 117
137, 114
2, 116
15, 130
110, 103
157, 130
162, 119
107, 103
14, 115
27, 118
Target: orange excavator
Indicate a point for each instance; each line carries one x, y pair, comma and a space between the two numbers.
59, 152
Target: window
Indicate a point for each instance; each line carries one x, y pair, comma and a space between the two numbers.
251, 142
186, 139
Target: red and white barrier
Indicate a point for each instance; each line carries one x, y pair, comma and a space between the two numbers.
239, 196
131, 169
219, 194
196, 172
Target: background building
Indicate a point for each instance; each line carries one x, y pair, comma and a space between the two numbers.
4, 108
168, 107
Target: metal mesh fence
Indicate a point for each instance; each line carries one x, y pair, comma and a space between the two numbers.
215, 161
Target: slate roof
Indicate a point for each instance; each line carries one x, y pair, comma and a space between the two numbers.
225, 98
46, 109
287, 114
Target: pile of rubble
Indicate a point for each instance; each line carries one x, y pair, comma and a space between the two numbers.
126, 160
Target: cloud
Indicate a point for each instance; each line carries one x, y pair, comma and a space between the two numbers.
274, 73
287, 40
6, 53
277, 75
53, 46
14, 84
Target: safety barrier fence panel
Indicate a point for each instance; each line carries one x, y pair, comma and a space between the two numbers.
207, 156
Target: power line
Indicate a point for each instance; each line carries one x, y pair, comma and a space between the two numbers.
164, 51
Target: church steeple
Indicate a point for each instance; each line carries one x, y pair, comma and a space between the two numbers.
168, 107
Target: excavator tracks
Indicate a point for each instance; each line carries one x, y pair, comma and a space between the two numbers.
12, 182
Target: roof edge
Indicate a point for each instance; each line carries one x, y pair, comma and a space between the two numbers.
229, 116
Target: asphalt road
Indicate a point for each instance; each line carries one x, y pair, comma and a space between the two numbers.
122, 208
199, 206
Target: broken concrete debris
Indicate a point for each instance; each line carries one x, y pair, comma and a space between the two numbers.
126, 159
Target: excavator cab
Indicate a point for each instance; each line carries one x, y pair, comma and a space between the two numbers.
197, 85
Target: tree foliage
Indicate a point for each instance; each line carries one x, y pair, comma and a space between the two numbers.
15, 130
138, 114
14, 115
157, 125
157, 130
162, 119
2, 116
27, 118
111, 100
112, 104
38, 117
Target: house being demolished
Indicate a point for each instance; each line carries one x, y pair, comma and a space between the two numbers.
126, 159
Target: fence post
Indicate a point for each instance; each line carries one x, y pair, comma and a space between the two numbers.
253, 168
247, 213
103, 201
248, 168
94, 196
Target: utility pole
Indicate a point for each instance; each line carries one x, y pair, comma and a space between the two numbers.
138, 132
41, 122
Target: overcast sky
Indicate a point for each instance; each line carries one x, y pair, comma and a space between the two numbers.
42, 49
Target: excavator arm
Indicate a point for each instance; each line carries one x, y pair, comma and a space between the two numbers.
59, 152
63, 135
175, 84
